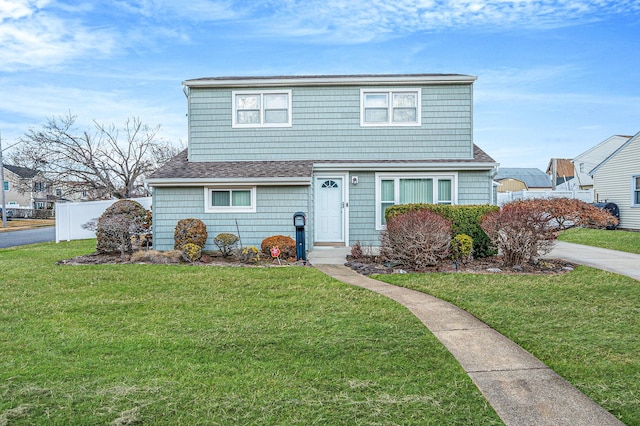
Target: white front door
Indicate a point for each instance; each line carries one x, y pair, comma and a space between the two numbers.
329, 211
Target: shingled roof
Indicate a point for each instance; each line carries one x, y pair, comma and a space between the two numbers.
180, 168
23, 172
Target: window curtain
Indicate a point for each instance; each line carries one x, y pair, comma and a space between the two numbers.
416, 191
444, 191
241, 198
387, 197
220, 198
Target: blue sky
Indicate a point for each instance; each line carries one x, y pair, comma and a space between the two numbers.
554, 77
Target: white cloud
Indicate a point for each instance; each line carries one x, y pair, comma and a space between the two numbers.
31, 37
354, 21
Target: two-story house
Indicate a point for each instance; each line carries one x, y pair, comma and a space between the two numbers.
340, 148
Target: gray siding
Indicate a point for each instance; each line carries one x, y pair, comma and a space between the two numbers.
326, 125
612, 182
362, 210
274, 215
475, 187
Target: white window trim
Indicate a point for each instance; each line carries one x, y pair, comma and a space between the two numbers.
390, 92
452, 176
260, 93
208, 208
633, 190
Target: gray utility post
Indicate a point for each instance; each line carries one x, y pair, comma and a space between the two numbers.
4, 207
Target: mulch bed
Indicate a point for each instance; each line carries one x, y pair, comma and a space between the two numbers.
368, 265
205, 260
365, 265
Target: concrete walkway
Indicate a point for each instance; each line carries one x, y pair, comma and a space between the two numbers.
521, 389
608, 260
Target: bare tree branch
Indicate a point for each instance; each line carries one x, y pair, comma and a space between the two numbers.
106, 159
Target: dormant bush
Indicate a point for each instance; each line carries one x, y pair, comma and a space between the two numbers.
526, 229
418, 239
190, 231
286, 244
117, 224
226, 243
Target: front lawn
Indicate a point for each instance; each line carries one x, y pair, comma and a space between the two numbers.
610, 239
165, 344
585, 324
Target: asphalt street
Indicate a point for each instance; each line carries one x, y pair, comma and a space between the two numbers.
29, 236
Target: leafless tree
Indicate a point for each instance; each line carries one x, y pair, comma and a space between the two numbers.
103, 160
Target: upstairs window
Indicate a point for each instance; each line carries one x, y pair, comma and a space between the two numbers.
262, 109
6, 185
390, 107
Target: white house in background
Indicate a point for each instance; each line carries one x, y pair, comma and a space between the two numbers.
588, 160
617, 180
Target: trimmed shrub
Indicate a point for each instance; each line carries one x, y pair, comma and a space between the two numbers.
418, 239
226, 243
286, 244
465, 219
117, 224
190, 231
462, 248
570, 212
525, 229
191, 252
522, 230
249, 254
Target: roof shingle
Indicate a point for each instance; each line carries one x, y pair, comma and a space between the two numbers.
180, 168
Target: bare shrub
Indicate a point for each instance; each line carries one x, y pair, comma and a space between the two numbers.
570, 212
418, 239
117, 224
522, 230
526, 229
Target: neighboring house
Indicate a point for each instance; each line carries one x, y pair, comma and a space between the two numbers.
588, 160
617, 180
560, 171
512, 179
339, 148
25, 187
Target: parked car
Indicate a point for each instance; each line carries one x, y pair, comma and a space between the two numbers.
9, 214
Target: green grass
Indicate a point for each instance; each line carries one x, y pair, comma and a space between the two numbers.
159, 344
585, 324
609, 239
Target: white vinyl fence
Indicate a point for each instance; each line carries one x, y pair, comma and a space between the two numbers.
585, 195
71, 216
